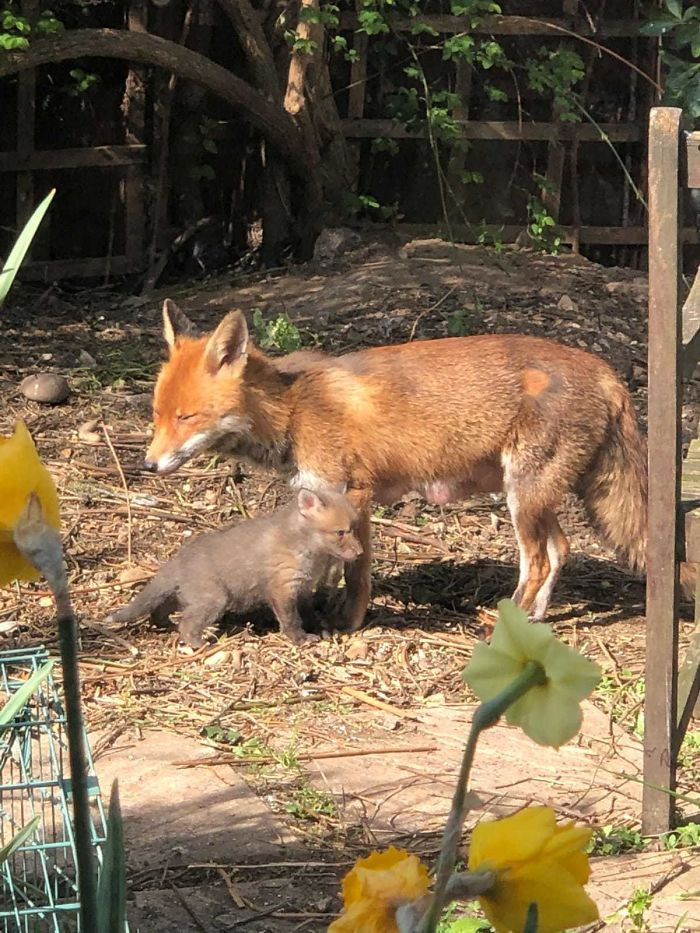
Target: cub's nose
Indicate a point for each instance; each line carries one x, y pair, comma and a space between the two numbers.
150, 466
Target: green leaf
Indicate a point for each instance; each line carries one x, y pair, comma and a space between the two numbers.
111, 888
419, 29
21, 247
19, 699
675, 8
25, 832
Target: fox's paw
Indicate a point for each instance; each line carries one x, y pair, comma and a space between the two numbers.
302, 639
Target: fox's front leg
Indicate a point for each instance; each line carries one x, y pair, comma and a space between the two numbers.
358, 579
285, 605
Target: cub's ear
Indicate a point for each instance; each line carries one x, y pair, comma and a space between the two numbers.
228, 344
309, 501
176, 324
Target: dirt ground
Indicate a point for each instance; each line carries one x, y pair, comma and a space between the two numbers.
293, 731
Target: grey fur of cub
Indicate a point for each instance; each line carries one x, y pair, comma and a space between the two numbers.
276, 560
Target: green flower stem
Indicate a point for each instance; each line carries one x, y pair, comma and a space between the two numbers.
485, 716
41, 545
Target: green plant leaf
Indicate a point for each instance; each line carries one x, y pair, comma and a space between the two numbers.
25, 832
21, 247
111, 888
19, 699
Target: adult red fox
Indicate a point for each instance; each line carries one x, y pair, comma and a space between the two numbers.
447, 418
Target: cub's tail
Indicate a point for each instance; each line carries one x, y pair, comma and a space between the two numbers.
154, 593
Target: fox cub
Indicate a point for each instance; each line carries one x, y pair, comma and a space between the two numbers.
276, 560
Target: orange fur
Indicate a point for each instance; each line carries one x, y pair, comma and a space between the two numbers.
447, 418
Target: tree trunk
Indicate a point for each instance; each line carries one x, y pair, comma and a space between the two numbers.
275, 197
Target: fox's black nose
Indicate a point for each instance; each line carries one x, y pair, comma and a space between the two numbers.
150, 466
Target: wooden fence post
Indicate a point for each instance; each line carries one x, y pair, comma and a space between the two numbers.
665, 258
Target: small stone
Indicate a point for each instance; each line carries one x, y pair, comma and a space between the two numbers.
333, 242
45, 387
88, 434
86, 360
133, 575
565, 303
217, 659
357, 650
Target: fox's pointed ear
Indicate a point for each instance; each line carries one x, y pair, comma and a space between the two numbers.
228, 344
176, 323
308, 501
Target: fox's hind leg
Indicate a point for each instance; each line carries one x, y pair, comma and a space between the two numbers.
542, 545
196, 617
557, 552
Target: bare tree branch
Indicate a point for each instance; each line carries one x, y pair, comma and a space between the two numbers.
271, 120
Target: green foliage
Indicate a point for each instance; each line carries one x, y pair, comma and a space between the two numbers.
458, 323
683, 837
280, 334
84, 81
309, 804
111, 889
20, 697
21, 247
679, 32
457, 919
637, 907
541, 226
17, 30
19, 839
556, 72
612, 840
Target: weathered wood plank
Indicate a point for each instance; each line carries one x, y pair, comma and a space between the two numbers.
26, 122
506, 25
691, 328
660, 706
509, 232
55, 269
356, 94
96, 156
692, 160
134, 110
500, 129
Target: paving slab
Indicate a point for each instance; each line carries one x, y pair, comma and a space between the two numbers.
595, 778
175, 815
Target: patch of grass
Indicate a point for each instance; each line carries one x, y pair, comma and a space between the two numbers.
683, 837
623, 699
612, 840
278, 334
637, 908
459, 919
309, 804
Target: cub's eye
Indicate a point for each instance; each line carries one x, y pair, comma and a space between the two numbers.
340, 535
186, 417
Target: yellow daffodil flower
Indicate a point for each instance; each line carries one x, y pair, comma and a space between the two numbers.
375, 887
534, 860
549, 713
21, 473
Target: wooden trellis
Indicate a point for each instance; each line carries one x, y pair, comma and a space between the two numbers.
674, 507
129, 159
556, 133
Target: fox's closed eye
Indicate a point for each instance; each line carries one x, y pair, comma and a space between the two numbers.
186, 417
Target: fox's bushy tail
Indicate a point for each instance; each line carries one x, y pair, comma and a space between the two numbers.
615, 487
154, 593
